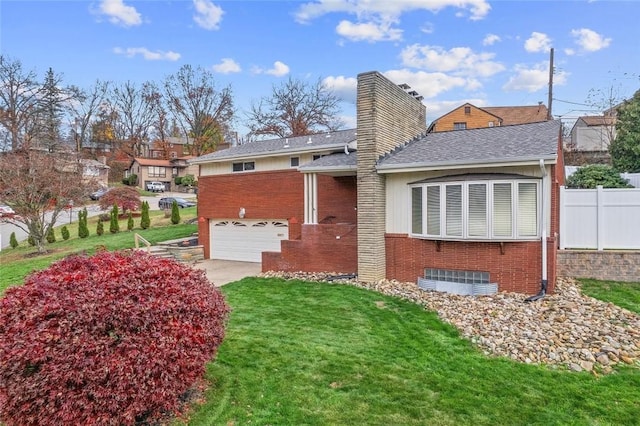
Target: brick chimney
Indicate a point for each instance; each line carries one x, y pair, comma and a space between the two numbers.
387, 116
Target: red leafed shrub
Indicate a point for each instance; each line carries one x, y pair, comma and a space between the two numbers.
113, 339
125, 197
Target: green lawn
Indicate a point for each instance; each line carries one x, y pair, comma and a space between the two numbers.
323, 354
328, 354
15, 264
625, 295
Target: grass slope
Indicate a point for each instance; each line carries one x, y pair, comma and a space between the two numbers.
322, 354
15, 264
625, 295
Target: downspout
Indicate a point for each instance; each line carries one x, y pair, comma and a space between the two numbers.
543, 224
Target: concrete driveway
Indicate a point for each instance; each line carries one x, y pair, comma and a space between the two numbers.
221, 272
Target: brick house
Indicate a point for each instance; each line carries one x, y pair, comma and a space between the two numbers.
388, 199
165, 171
469, 116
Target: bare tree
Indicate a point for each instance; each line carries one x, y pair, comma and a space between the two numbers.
295, 108
19, 99
606, 100
135, 115
203, 113
39, 186
85, 111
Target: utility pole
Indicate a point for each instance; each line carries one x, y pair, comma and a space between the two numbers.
549, 114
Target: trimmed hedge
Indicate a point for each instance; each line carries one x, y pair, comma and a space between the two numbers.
115, 338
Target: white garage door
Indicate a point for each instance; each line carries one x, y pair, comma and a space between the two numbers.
245, 240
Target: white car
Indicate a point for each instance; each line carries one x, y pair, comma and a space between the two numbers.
155, 186
6, 211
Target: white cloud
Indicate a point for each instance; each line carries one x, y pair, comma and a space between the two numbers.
538, 42
119, 13
147, 54
458, 59
534, 78
426, 84
343, 87
377, 18
227, 66
490, 40
589, 40
279, 69
208, 15
369, 31
427, 28
569, 52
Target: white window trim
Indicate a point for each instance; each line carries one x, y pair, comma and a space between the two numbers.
465, 210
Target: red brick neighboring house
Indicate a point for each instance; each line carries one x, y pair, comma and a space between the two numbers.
164, 171
390, 200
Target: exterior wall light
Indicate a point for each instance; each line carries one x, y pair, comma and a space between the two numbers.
241, 213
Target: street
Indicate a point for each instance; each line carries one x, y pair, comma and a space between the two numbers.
69, 216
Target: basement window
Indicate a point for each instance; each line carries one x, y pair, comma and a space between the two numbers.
483, 210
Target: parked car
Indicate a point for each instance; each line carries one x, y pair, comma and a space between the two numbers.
167, 202
155, 186
6, 211
96, 195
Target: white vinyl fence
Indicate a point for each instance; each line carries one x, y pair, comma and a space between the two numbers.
600, 218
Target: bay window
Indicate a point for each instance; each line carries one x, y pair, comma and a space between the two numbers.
476, 209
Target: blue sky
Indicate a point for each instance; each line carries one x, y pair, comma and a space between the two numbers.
489, 53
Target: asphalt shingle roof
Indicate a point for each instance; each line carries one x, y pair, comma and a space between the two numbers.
519, 114
320, 141
476, 146
598, 120
339, 161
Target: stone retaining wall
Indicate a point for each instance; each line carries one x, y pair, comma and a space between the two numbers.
190, 254
602, 265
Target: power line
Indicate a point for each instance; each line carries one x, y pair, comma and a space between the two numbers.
572, 103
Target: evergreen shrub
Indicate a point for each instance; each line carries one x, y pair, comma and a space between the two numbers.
13, 241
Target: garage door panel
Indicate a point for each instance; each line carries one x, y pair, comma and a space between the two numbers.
245, 240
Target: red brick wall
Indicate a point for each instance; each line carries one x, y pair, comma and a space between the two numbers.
317, 251
271, 195
518, 269
337, 199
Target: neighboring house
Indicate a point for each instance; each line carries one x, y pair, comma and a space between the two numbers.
172, 147
590, 139
593, 133
95, 171
165, 171
469, 116
390, 200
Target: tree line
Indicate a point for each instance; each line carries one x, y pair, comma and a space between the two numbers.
126, 115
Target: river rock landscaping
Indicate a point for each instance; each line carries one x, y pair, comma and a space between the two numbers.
566, 328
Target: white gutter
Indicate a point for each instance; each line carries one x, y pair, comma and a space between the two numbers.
451, 165
543, 239
543, 221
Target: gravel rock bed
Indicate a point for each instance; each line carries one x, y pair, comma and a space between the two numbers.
566, 328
